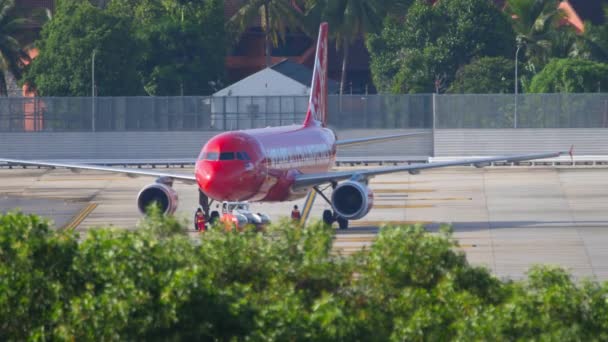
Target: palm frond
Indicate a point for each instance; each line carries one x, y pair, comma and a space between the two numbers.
13, 57
282, 16
238, 23
6, 6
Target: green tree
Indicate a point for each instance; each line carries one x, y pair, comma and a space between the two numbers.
156, 283
571, 76
183, 47
485, 75
349, 20
423, 52
63, 66
13, 58
537, 25
596, 41
276, 17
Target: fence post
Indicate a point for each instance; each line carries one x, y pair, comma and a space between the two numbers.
251, 112
293, 113
224, 113
238, 112
434, 104
267, 112
366, 118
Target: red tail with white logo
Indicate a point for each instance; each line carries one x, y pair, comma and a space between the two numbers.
317, 105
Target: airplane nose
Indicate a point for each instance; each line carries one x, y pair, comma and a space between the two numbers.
205, 173
222, 182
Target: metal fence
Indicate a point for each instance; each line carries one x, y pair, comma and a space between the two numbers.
82, 114
524, 111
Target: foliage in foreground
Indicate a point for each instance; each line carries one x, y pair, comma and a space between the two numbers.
286, 284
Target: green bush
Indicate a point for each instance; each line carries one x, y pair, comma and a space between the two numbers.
571, 75
158, 283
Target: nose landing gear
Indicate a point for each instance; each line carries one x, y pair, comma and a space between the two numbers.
203, 217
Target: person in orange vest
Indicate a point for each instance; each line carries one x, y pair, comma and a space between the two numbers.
295, 214
199, 219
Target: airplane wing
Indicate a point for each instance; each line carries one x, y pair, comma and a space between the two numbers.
359, 141
188, 179
311, 179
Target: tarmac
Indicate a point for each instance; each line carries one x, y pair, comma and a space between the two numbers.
505, 218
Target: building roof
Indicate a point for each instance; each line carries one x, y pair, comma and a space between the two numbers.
301, 74
572, 17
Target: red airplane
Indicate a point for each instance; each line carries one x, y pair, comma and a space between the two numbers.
281, 163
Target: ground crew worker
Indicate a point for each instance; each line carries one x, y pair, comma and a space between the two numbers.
199, 218
295, 214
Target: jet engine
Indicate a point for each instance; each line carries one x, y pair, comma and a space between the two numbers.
352, 200
160, 192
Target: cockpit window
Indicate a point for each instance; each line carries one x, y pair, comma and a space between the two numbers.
227, 156
242, 156
211, 156
214, 156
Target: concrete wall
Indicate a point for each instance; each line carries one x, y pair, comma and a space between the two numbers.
186, 145
170, 145
481, 142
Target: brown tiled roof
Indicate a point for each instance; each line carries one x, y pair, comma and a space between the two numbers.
572, 17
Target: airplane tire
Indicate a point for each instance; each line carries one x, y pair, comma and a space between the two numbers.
342, 222
215, 215
328, 217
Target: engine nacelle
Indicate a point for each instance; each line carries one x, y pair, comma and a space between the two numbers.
161, 193
352, 200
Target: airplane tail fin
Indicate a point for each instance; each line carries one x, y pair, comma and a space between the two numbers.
317, 104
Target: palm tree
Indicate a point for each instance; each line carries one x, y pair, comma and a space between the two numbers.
277, 16
349, 20
13, 57
566, 43
596, 40
535, 22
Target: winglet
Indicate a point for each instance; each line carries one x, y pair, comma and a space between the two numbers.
317, 104
571, 153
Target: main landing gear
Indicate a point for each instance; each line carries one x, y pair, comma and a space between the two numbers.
329, 216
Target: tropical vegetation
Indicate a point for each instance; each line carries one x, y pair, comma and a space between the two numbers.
485, 75
423, 51
178, 47
13, 55
536, 23
78, 36
277, 17
142, 47
596, 40
571, 76
285, 284
349, 20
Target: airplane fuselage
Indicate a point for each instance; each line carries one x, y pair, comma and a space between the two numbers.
261, 164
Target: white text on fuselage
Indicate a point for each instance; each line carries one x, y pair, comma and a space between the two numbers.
298, 156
